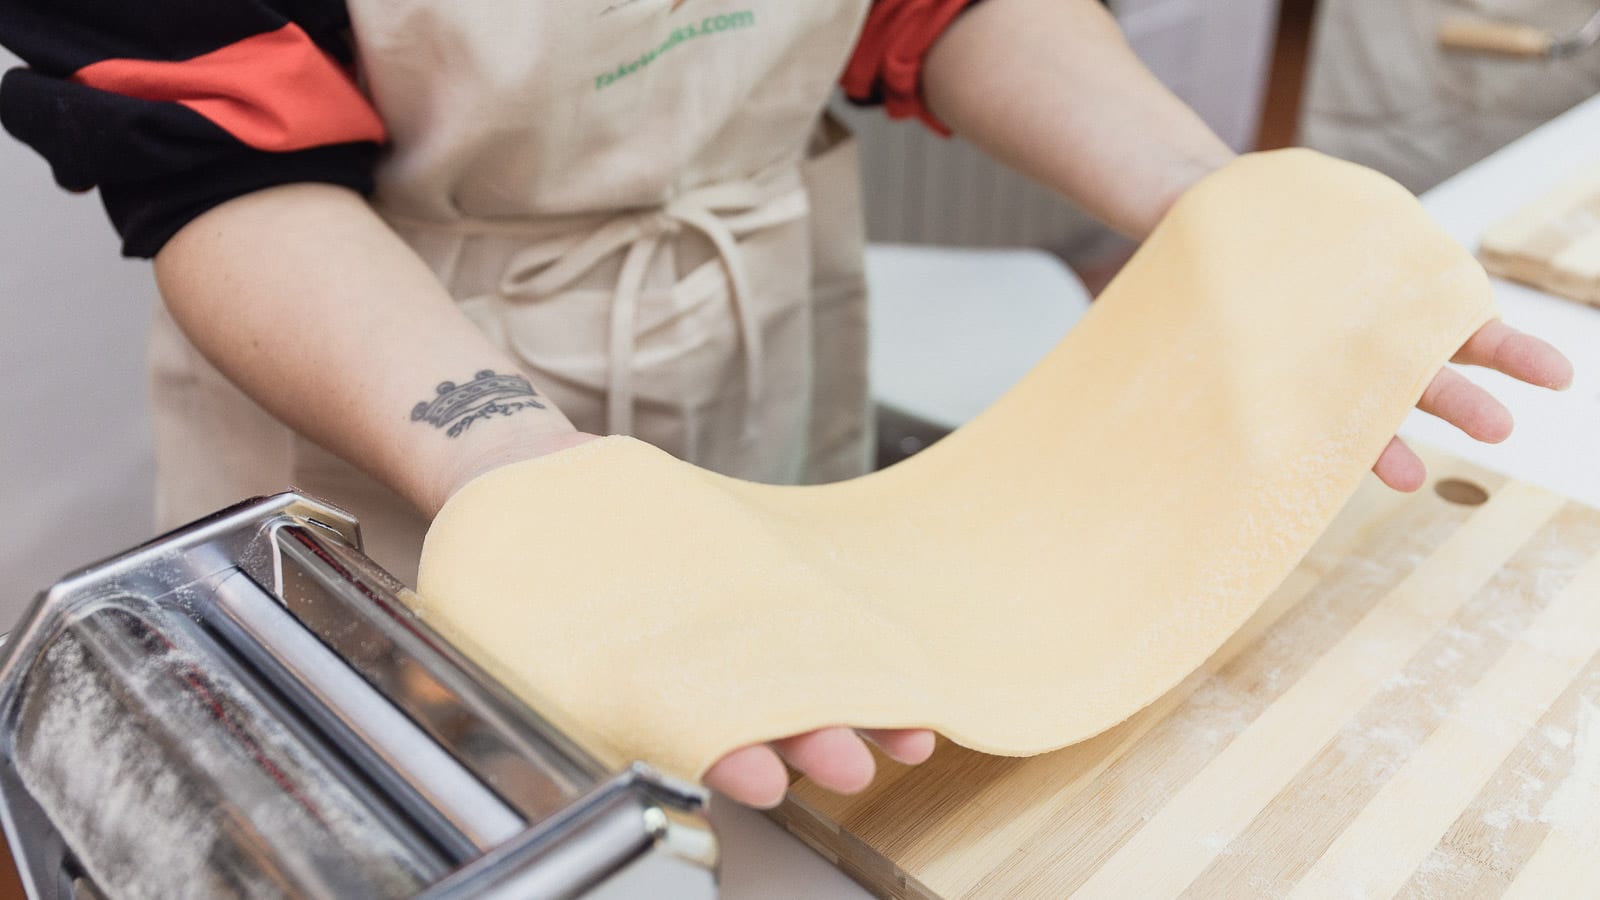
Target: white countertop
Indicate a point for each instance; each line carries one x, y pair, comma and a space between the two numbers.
1557, 439
954, 328
1556, 444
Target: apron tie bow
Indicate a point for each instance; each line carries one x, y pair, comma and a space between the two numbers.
721, 213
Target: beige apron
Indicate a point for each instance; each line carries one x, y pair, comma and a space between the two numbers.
1382, 92
641, 203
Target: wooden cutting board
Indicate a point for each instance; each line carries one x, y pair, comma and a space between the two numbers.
1415, 713
1553, 243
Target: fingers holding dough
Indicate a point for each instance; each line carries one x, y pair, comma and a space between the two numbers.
903, 745
1522, 356
1399, 467
752, 775
1475, 411
834, 758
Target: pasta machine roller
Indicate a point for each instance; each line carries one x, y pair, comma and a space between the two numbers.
246, 707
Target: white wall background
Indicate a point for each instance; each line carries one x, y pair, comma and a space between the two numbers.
75, 458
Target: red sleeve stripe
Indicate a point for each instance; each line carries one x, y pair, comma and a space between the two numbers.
277, 91
888, 58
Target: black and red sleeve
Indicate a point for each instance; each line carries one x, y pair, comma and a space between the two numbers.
171, 107
886, 67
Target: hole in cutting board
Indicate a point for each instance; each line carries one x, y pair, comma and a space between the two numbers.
1457, 490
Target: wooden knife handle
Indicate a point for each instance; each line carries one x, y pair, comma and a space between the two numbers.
1503, 38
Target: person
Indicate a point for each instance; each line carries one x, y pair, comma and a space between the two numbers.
403, 242
1383, 90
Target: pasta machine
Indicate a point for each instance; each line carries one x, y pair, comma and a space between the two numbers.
246, 707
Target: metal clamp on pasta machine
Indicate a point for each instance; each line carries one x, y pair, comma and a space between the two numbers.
247, 708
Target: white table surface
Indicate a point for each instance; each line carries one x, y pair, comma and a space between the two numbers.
955, 328
1556, 444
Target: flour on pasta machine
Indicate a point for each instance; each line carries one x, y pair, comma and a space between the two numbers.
247, 708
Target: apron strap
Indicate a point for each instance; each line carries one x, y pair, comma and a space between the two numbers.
624, 318
722, 213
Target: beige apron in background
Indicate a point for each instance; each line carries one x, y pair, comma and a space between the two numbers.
1381, 91
660, 229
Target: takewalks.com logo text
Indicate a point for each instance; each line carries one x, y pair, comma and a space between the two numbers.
734, 21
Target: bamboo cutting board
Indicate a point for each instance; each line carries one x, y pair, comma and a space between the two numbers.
1553, 243
1414, 713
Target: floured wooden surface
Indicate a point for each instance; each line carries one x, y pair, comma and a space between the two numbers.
1553, 243
1414, 713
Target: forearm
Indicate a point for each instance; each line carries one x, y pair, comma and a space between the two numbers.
304, 298
1051, 88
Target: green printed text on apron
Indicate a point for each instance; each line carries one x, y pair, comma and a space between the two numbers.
734, 21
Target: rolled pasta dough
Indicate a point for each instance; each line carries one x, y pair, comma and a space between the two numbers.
1031, 580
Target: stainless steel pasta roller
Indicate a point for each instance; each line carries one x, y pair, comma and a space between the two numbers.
247, 707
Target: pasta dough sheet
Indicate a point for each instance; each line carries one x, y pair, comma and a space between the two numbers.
1033, 579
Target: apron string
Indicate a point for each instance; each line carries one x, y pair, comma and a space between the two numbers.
624, 319
722, 213
703, 221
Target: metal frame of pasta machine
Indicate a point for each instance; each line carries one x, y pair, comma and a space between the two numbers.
299, 731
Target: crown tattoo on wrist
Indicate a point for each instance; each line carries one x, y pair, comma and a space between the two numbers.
486, 396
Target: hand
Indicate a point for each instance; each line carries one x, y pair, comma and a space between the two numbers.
1453, 398
836, 758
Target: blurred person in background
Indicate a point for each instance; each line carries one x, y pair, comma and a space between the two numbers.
1383, 92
